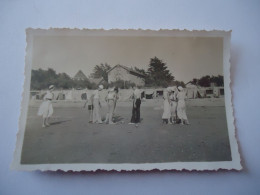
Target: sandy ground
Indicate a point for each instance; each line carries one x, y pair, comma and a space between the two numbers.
71, 139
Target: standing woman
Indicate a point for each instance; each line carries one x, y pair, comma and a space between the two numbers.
116, 98
46, 109
166, 106
181, 107
173, 99
110, 99
97, 105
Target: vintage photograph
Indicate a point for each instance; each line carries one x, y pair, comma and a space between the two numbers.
126, 100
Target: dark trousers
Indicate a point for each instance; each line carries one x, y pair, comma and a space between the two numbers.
136, 112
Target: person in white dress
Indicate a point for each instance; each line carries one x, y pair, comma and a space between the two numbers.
46, 109
110, 99
97, 105
181, 106
173, 99
166, 106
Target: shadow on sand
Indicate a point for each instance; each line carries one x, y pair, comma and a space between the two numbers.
59, 122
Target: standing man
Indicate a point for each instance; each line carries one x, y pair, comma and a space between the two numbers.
89, 104
97, 105
136, 106
110, 99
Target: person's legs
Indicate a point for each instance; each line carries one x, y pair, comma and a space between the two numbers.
90, 112
111, 108
43, 122
138, 104
95, 116
99, 114
47, 121
107, 115
133, 114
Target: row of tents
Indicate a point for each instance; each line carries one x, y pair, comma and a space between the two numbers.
192, 91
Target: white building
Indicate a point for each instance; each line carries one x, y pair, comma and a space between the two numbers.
124, 73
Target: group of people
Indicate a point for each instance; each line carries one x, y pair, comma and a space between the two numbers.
94, 105
174, 106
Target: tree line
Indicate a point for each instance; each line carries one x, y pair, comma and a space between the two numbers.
157, 74
42, 79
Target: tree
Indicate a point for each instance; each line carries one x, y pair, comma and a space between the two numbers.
100, 71
158, 73
42, 79
142, 71
204, 81
218, 80
194, 81
178, 83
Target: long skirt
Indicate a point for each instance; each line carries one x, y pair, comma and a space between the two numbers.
173, 108
181, 110
110, 111
96, 111
136, 112
166, 110
45, 109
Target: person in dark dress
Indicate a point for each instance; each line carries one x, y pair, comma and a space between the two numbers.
136, 106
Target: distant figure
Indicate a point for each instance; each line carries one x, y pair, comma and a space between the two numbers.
97, 105
110, 99
89, 103
166, 106
136, 106
116, 98
173, 104
181, 107
46, 109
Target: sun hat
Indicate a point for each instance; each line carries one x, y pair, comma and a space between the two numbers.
51, 87
101, 87
180, 88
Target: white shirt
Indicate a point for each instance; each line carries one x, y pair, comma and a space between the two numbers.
111, 95
48, 96
137, 94
96, 94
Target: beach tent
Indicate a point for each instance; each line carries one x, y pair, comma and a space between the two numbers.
192, 91
159, 92
149, 93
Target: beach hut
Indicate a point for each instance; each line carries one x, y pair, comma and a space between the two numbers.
149, 94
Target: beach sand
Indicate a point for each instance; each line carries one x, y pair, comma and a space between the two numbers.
71, 139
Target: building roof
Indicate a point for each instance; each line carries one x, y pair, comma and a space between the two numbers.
97, 81
131, 71
80, 75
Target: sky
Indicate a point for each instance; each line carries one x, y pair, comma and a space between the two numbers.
186, 57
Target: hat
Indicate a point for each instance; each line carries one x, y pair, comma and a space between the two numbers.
101, 87
180, 88
51, 87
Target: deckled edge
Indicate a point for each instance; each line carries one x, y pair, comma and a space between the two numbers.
235, 164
